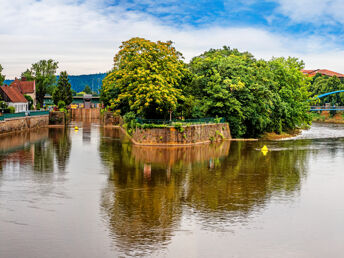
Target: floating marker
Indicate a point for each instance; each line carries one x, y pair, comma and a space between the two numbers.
264, 150
76, 128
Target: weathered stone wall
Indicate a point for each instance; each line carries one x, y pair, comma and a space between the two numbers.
23, 123
109, 119
85, 113
57, 118
185, 135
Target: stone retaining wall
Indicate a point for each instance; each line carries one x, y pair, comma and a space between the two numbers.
23, 123
85, 113
192, 134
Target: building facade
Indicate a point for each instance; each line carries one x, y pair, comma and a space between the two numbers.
14, 98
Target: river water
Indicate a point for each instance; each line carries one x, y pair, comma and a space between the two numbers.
90, 193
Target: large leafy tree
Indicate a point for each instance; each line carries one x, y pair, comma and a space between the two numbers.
255, 96
2, 77
44, 73
147, 79
63, 91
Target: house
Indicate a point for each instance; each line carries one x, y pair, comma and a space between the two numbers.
14, 98
312, 73
26, 87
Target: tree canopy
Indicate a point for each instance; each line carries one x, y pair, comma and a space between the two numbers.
63, 91
44, 73
146, 79
2, 77
254, 96
323, 84
87, 89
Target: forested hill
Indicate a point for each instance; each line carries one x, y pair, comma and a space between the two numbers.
79, 82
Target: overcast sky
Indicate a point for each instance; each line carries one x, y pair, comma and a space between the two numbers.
84, 35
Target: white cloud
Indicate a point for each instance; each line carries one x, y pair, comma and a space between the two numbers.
312, 11
84, 37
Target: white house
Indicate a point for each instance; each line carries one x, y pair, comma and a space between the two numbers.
14, 98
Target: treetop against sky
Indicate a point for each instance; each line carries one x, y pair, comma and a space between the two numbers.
83, 35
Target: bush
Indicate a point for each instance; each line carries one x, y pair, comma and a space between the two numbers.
61, 104
11, 110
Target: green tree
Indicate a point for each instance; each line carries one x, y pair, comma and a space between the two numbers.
2, 77
88, 89
146, 79
30, 100
324, 84
63, 90
44, 73
255, 96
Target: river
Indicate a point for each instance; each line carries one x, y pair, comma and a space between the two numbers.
90, 193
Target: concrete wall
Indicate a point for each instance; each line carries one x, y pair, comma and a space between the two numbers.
85, 113
23, 123
192, 134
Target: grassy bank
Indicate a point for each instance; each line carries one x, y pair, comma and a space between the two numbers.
327, 117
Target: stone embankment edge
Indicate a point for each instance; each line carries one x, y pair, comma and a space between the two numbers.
176, 144
28, 124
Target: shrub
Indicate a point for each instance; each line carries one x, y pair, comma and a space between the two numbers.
11, 110
61, 104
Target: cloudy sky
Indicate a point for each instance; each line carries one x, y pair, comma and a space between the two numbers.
84, 35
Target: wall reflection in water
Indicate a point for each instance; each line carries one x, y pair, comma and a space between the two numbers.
150, 189
40, 149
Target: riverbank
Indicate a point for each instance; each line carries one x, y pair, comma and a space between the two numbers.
326, 117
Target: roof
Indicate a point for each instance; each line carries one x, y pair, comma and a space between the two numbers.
14, 94
323, 72
24, 86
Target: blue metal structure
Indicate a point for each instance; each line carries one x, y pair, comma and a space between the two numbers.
326, 108
329, 93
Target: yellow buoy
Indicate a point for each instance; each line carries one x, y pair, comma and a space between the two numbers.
76, 128
264, 150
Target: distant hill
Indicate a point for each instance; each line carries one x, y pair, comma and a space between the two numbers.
79, 82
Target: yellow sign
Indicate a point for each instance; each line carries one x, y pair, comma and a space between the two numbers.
74, 106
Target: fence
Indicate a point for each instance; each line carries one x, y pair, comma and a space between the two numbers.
24, 114
185, 121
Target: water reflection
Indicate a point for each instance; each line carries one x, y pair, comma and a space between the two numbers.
36, 148
150, 188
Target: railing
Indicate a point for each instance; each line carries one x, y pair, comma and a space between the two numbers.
24, 114
185, 121
14, 115
38, 112
327, 108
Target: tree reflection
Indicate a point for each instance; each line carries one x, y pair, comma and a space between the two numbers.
150, 187
62, 145
141, 212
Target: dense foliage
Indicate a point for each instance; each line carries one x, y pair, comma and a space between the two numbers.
254, 96
2, 77
87, 89
146, 79
44, 74
63, 91
323, 84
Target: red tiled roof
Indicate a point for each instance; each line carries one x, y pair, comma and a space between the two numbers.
323, 72
24, 86
13, 94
